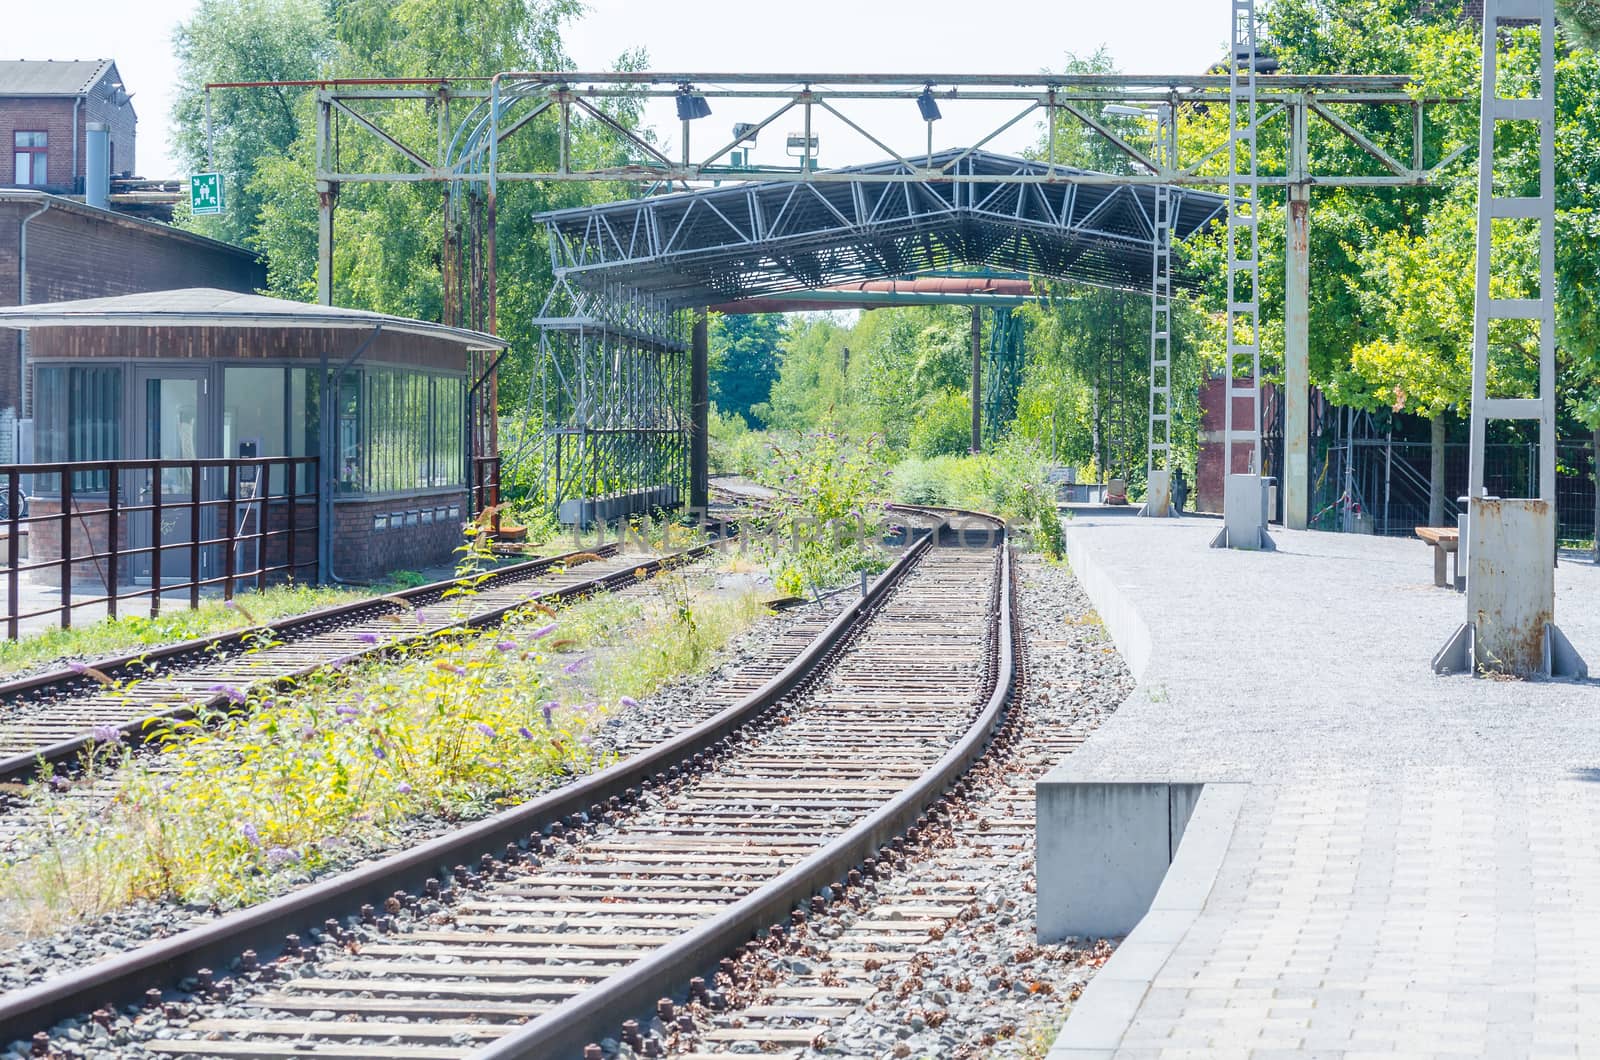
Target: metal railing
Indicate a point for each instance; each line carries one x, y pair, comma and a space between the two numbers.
485, 484
156, 529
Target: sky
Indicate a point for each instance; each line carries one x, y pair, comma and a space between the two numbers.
818, 36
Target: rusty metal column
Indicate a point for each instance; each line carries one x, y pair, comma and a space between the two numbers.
977, 380
327, 196
699, 417
1296, 360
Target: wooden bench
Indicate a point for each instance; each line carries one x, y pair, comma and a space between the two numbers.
1446, 541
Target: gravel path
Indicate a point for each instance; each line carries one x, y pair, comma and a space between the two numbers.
743, 665
938, 958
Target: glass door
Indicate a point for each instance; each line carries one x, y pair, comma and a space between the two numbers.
172, 421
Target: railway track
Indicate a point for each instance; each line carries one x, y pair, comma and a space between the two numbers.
904, 949
52, 717
535, 932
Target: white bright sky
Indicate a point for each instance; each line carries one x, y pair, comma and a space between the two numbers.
821, 36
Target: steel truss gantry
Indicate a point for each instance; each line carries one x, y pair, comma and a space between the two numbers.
473, 121
1508, 545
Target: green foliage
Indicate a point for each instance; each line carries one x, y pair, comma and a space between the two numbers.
831, 529
1008, 481
744, 363
734, 448
243, 40
945, 426
95, 640
466, 723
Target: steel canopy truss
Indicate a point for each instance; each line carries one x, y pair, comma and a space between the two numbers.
722, 244
612, 393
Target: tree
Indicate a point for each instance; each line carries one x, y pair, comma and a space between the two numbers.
744, 363
243, 40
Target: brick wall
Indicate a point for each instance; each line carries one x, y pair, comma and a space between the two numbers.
413, 532
55, 116
1209, 471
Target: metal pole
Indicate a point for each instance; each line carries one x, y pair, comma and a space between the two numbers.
1296, 359
14, 555
977, 380
699, 416
327, 195
113, 532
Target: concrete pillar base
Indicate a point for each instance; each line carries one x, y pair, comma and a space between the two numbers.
1158, 496
1244, 514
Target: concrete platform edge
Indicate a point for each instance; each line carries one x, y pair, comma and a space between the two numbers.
1128, 631
1098, 1022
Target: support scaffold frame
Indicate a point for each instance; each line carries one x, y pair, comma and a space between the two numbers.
613, 388
1508, 545
1158, 453
1244, 495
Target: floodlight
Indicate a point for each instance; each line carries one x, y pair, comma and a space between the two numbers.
1127, 111
744, 133
928, 105
691, 105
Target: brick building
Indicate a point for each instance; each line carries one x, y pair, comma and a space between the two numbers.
380, 401
53, 249
45, 110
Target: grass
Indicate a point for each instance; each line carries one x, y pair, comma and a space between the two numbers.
120, 635
465, 724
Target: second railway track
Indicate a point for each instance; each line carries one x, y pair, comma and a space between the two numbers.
535, 932
51, 717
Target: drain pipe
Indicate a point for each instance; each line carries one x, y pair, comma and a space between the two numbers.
330, 444
76, 103
22, 299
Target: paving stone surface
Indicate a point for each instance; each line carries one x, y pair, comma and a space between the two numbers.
1415, 870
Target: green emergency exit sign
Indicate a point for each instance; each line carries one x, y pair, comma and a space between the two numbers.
205, 193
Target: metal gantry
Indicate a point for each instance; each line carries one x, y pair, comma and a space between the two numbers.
1508, 545
475, 125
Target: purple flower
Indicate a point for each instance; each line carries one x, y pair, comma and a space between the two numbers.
628, 701
348, 711
248, 830
505, 645
107, 734
544, 631
368, 638
233, 695
78, 667
281, 856
403, 788
549, 709
378, 752
422, 616
486, 729
307, 731
574, 666
525, 732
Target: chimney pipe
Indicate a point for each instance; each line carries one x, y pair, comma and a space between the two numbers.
97, 166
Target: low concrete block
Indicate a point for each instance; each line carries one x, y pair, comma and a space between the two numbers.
1103, 850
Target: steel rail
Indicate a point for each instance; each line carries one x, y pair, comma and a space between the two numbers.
263, 927
598, 1011
137, 729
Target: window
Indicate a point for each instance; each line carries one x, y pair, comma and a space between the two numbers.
32, 154
415, 431
78, 415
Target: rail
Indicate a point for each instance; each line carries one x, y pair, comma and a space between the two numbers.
264, 927
156, 530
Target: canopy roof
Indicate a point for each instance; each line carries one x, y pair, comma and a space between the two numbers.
723, 244
207, 307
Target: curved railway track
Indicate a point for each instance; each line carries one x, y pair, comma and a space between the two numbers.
545, 928
51, 717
